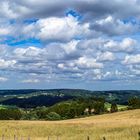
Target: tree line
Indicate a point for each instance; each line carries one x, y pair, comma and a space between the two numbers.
74, 108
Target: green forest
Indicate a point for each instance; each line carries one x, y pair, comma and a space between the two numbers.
64, 103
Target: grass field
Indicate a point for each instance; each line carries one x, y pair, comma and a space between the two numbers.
120, 107
117, 126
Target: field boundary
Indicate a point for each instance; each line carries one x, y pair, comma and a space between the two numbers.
3, 137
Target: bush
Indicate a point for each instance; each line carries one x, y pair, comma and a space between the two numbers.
41, 112
99, 107
134, 103
10, 114
71, 113
29, 116
53, 116
114, 108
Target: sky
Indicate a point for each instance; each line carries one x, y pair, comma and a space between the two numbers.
84, 44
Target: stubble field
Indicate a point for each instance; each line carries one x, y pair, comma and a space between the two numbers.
117, 126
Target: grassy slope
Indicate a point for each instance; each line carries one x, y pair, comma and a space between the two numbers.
117, 126
6, 106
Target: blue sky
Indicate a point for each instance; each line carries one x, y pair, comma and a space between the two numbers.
87, 44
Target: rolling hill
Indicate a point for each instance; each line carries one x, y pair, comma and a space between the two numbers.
116, 126
35, 97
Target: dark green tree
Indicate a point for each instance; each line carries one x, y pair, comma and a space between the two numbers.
71, 113
10, 114
53, 116
134, 103
114, 108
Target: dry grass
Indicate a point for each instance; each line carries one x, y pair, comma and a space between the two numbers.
116, 126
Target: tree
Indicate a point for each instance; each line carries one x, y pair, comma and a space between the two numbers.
134, 103
10, 114
114, 108
41, 112
99, 107
72, 113
53, 116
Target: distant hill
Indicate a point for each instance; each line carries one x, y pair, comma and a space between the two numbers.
34, 101
38, 97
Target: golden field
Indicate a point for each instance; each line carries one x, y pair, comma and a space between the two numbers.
117, 126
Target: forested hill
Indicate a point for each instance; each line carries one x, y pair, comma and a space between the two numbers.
38, 97
76, 92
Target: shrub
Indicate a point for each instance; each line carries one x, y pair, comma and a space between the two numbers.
10, 114
53, 116
134, 103
114, 108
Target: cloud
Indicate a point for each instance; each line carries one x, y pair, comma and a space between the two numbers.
83, 59
31, 81
84, 62
3, 79
52, 29
57, 29
106, 56
83, 40
90, 8
4, 64
132, 59
126, 45
111, 26
6, 10
30, 52
52, 21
